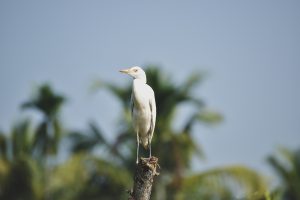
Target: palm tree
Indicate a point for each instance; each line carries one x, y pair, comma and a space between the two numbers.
175, 148
101, 169
24, 151
19, 172
25, 172
287, 167
49, 131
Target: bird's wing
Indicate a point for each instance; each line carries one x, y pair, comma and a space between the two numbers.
131, 103
153, 114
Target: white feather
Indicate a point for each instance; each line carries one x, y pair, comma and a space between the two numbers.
143, 107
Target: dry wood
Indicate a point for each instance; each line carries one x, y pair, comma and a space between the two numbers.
143, 178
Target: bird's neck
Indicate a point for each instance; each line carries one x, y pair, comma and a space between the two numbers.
141, 79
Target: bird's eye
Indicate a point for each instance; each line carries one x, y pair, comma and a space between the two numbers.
135, 70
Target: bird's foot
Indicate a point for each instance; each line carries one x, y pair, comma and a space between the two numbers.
151, 163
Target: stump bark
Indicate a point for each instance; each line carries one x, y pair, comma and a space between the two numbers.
145, 172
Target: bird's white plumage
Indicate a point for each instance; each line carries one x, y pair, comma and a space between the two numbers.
143, 111
143, 107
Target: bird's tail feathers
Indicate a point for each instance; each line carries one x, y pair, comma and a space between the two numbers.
145, 143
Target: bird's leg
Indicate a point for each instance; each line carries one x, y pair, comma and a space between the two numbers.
138, 146
149, 144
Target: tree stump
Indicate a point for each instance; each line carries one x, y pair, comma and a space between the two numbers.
143, 178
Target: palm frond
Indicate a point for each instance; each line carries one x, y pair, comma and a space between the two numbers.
193, 80
209, 117
239, 181
98, 178
45, 101
121, 93
287, 166
88, 140
98, 134
20, 138
3, 146
40, 141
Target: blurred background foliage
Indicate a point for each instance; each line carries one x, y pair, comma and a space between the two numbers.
31, 167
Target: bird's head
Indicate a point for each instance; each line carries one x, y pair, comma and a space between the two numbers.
136, 72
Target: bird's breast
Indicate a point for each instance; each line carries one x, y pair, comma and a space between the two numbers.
141, 118
141, 95
141, 113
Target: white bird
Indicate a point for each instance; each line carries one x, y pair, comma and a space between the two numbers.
143, 108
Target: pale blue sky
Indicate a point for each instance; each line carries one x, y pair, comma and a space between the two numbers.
251, 50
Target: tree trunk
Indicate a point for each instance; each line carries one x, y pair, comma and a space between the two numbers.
143, 178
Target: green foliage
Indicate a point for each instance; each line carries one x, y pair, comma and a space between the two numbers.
3, 146
97, 168
45, 101
287, 167
21, 180
89, 140
87, 177
222, 183
48, 133
175, 149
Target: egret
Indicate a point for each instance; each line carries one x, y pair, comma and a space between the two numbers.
143, 108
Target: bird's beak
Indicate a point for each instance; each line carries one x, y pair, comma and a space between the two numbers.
125, 71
